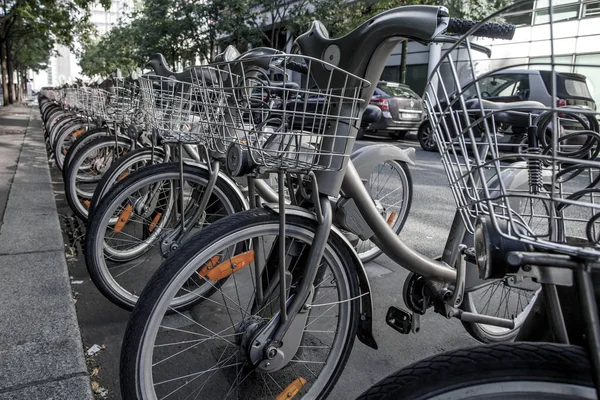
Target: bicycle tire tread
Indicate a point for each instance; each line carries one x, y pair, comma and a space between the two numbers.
464, 361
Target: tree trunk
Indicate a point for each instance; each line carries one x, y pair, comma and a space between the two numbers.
20, 87
4, 67
403, 61
11, 74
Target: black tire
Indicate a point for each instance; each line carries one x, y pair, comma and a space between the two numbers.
94, 224
64, 139
499, 363
426, 140
109, 177
72, 172
398, 135
136, 328
81, 141
58, 128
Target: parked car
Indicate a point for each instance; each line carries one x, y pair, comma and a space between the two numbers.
402, 110
513, 85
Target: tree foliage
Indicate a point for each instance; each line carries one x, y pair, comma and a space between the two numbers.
30, 29
189, 31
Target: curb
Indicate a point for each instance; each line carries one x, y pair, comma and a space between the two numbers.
41, 353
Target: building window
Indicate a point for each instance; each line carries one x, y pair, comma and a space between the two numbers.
586, 64
562, 63
591, 9
391, 74
563, 13
416, 77
519, 19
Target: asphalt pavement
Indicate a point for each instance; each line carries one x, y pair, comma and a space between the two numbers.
103, 324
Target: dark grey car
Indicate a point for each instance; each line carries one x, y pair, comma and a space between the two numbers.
513, 85
401, 109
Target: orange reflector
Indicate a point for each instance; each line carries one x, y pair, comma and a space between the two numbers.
123, 218
123, 176
226, 268
391, 218
78, 132
64, 152
291, 390
154, 222
86, 203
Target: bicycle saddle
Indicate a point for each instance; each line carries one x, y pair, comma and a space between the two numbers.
158, 64
496, 105
517, 113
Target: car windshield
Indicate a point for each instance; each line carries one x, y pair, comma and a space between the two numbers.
577, 88
499, 86
397, 90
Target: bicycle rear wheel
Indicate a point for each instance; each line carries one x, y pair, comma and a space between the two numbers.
204, 353
390, 186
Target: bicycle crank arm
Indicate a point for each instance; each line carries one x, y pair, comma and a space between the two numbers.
481, 319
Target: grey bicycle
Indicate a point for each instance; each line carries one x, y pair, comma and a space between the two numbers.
289, 293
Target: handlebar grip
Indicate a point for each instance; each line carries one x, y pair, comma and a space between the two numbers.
490, 30
295, 66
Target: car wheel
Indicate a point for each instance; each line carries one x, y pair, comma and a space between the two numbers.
426, 137
398, 135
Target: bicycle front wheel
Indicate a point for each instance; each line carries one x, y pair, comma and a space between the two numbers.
126, 234
518, 371
204, 353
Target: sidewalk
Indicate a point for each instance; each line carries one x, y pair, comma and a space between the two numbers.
41, 355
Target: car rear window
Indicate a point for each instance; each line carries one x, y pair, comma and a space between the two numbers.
577, 88
397, 90
567, 85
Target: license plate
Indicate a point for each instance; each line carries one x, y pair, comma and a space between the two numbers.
409, 116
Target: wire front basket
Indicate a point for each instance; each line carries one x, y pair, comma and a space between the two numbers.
530, 164
124, 103
169, 108
289, 112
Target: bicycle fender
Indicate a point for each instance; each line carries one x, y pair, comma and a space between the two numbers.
365, 325
367, 158
226, 179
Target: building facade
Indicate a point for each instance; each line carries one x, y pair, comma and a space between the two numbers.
576, 32
64, 67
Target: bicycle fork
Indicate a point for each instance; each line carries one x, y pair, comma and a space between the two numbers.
278, 341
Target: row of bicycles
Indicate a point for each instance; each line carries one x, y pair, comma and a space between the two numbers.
225, 207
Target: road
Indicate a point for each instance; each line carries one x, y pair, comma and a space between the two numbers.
103, 323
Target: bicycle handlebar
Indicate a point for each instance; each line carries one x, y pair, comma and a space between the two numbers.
298, 67
490, 30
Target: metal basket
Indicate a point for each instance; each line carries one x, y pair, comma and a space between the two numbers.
170, 108
70, 98
123, 103
296, 121
98, 104
84, 99
542, 186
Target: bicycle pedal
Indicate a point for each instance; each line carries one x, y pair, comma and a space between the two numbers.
401, 320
